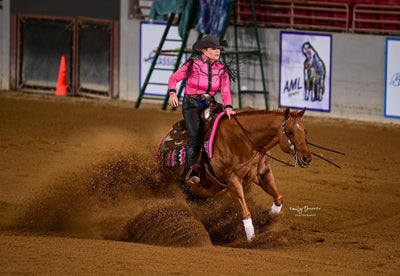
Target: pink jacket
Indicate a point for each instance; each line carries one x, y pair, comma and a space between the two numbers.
197, 82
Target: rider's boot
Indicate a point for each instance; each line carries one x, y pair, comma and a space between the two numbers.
191, 158
190, 176
188, 182
193, 178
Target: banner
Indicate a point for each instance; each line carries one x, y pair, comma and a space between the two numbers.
392, 78
150, 37
305, 71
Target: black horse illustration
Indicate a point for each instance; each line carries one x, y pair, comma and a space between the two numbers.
314, 73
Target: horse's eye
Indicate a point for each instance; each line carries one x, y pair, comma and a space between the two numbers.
290, 133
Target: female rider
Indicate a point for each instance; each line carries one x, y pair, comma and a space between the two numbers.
205, 76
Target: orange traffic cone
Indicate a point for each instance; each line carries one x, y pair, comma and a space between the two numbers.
61, 89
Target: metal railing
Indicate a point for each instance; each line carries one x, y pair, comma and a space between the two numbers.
140, 9
337, 16
297, 14
372, 18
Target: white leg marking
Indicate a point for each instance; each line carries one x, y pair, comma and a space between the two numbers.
249, 228
275, 209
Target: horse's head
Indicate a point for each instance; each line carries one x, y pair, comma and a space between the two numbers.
292, 137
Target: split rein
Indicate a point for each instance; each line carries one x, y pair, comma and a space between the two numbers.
323, 158
295, 155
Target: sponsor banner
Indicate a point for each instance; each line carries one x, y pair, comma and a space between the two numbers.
150, 37
305, 71
392, 78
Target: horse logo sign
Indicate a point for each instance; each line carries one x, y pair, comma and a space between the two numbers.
395, 81
392, 78
305, 71
314, 73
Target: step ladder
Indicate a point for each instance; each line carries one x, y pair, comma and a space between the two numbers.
236, 52
253, 52
155, 59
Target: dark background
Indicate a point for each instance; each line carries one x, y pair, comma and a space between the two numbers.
39, 43
104, 9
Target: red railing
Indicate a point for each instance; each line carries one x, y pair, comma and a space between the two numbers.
296, 14
354, 16
372, 18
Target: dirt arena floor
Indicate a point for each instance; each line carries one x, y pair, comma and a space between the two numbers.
80, 194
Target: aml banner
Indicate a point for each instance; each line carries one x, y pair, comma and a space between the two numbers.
392, 78
305, 71
150, 37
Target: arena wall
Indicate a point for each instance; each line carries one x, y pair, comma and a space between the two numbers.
129, 55
5, 44
358, 71
358, 68
358, 76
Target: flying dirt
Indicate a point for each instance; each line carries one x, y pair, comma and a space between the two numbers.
81, 192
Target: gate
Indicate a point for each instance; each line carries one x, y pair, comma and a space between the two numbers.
90, 47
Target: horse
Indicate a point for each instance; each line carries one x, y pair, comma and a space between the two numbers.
241, 156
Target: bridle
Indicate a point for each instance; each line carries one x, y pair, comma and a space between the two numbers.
292, 146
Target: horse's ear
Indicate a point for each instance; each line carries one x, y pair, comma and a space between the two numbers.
301, 113
287, 112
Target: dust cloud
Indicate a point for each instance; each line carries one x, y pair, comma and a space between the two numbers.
127, 200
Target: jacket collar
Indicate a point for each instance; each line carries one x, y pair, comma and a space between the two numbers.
205, 59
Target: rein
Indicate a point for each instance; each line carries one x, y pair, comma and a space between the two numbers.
258, 148
331, 150
295, 156
335, 151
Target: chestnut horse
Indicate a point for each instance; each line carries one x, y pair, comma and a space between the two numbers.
241, 156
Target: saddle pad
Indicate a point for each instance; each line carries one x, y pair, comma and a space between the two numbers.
171, 151
172, 148
213, 131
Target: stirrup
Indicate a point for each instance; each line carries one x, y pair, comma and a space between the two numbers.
193, 180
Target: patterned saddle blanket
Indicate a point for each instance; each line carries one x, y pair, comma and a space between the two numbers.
172, 148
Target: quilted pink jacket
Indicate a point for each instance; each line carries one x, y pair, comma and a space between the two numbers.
199, 79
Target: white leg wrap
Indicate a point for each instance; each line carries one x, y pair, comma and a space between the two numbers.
275, 209
249, 228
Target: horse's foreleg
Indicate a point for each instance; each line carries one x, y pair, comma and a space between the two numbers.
237, 193
267, 183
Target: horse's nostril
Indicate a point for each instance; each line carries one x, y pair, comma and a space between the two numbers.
304, 159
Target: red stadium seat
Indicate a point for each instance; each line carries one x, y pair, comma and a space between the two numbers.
342, 15
364, 16
387, 16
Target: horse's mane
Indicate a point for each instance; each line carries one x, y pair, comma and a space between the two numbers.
267, 112
261, 112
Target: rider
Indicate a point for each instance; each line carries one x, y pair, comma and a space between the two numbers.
205, 75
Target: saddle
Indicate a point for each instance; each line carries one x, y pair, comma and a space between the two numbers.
172, 148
